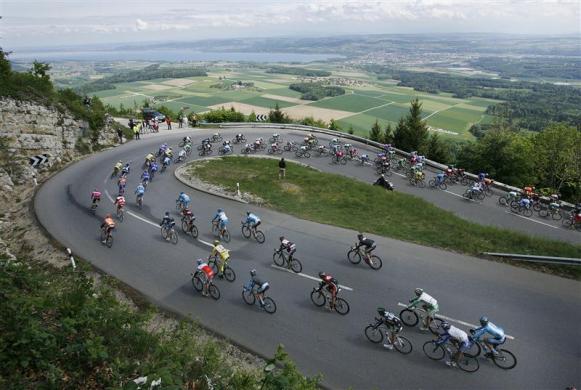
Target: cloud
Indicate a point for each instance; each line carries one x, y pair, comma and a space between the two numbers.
140, 25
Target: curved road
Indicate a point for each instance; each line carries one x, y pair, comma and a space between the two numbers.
541, 311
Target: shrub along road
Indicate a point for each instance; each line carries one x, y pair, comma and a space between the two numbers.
525, 303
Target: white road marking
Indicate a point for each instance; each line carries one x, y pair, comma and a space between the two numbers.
156, 225
457, 321
306, 276
459, 196
399, 174
529, 219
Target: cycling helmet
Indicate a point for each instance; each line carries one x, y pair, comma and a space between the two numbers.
360, 236
220, 210
419, 291
199, 261
445, 326
281, 238
483, 320
321, 275
108, 216
253, 272
381, 311
167, 213
248, 213
216, 242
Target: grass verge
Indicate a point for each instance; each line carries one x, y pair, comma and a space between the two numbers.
337, 200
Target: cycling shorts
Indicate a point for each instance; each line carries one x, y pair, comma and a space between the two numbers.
265, 286
494, 340
223, 223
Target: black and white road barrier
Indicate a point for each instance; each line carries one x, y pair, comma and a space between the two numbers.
39, 160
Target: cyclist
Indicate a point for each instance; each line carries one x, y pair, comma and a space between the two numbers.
475, 189
153, 168
121, 183
108, 225
95, 196
125, 170
262, 286
331, 285
140, 191
364, 158
418, 174
338, 154
290, 247
528, 190
221, 219
117, 167
495, 336
166, 162
368, 243
227, 147
149, 159
482, 176
428, 303
207, 274
183, 200
162, 149
440, 177
187, 140
145, 178
458, 337
218, 250
167, 222
119, 202
382, 181
252, 220
239, 137
393, 324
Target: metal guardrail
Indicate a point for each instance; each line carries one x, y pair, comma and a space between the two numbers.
339, 134
536, 259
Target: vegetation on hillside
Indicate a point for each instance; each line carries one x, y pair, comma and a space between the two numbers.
148, 73
299, 71
58, 330
316, 91
352, 204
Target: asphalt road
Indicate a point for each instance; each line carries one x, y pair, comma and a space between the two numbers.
542, 312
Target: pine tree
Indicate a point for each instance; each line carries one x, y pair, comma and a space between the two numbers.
417, 129
333, 125
400, 135
277, 116
350, 131
375, 133
387, 136
437, 150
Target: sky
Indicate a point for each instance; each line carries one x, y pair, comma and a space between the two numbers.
46, 23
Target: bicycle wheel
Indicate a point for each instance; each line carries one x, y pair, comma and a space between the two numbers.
214, 291
474, 350
409, 317
120, 215
566, 223
318, 298
173, 236
296, 266
556, 215
194, 231
443, 186
435, 326
278, 258
433, 351
185, 226
421, 183
505, 359
164, 232
246, 231
109, 241
464, 181
503, 200
229, 274
480, 195
259, 236
343, 161
248, 297
354, 256
432, 183
468, 364
374, 334
197, 283
402, 345
375, 262
341, 306
269, 305
527, 212
226, 236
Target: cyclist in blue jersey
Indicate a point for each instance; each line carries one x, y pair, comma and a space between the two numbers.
183, 200
440, 178
221, 218
153, 168
490, 334
252, 220
139, 191
145, 178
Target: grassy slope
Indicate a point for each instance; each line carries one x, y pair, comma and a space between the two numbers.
396, 215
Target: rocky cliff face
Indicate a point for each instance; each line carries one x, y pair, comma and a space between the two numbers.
28, 129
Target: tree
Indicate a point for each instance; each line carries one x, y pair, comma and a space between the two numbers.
437, 150
417, 129
40, 70
277, 116
400, 134
252, 117
350, 131
558, 158
333, 125
375, 133
387, 136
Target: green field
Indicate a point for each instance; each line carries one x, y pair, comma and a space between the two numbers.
368, 102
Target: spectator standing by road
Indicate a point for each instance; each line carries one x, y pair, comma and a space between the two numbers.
168, 122
120, 134
180, 120
137, 131
281, 168
185, 120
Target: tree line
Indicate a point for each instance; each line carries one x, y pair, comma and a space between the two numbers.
316, 91
299, 71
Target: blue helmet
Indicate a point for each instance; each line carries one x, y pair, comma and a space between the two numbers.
483, 320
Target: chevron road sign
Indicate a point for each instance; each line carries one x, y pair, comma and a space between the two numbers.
261, 117
38, 160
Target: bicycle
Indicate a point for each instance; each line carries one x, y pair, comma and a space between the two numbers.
222, 151
275, 138
94, 206
338, 159
290, 146
198, 284
188, 226
471, 193
571, 222
432, 184
417, 181
506, 199
437, 351
319, 297
281, 259
302, 153
383, 170
248, 231
552, 209
410, 317
205, 152
169, 231
216, 137
224, 234
120, 213
228, 272
503, 359
237, 140
139, 201
106, 237
250, 297
274, 150
375, 334
355, 254
518, 208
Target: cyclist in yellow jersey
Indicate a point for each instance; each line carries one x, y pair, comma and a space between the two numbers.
218, 250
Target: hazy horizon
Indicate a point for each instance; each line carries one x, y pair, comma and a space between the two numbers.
46, 23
